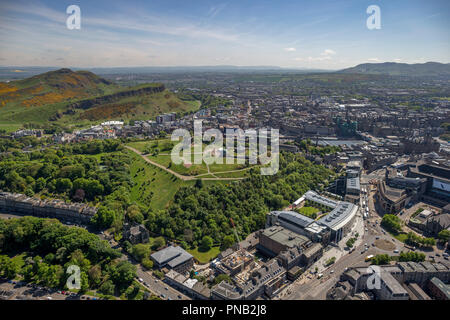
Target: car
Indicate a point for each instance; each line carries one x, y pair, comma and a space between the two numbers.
346, 269
156, 280
376, 238
49, 298
332, 271
396, 251
446, 258
366, 229
373, 244
366, 245
179, 296
141, 280
166, 288
163, 295
445, 254
437, 255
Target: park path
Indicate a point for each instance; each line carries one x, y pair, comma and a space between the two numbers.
180, 176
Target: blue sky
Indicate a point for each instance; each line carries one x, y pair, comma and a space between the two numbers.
326, 34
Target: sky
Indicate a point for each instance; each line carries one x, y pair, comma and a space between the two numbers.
325, 34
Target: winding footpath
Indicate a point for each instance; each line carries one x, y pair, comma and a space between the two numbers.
183, 177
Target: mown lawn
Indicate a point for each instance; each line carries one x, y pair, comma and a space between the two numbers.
400, 236
310, 212
154, 186
205, 257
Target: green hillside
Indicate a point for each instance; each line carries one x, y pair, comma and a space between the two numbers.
402, 69
67, 97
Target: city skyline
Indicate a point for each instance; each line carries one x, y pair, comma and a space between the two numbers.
301, 34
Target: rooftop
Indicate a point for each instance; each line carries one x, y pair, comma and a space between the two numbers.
340, 215
445, 288
171, 255
285, 237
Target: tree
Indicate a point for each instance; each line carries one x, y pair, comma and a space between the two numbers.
207, 243
53, 276
140, 251
227, 242
39, 185
147, 263
123, 274
381, 259
391, 222
84, 282
134, 214
444, 235
158, 243
63, 184
107, 288
95, 274
104, 218
199, 183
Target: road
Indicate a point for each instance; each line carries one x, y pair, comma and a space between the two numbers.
153, 284
158, 287
309, 287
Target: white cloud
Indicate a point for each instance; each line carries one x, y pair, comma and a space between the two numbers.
373, 60
323, 56
290, 49
328, 52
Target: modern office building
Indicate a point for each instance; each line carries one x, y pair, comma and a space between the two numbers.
175, 258
336, 222
437, 175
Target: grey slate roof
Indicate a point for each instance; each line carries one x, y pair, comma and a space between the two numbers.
173, 256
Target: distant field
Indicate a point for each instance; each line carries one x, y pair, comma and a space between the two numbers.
10, 127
